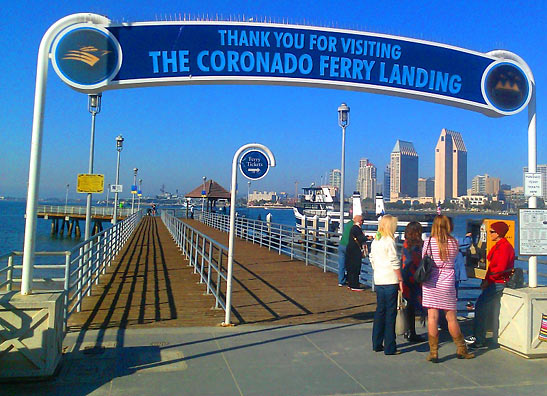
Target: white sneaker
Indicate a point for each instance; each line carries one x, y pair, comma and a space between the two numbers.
470, 340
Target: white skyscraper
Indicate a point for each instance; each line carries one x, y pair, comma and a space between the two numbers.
366, 179
335, 178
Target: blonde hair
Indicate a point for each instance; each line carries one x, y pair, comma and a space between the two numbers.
387, 226
441, 232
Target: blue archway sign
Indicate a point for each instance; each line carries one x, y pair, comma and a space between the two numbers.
254, 165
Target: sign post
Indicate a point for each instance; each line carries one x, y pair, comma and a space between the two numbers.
259, 157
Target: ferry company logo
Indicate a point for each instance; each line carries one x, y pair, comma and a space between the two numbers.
85, 57
506, 87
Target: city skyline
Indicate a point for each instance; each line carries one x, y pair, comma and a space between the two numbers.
177, 135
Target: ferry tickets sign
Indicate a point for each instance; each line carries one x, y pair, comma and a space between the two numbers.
93, 58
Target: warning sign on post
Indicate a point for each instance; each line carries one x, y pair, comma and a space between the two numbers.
89, 183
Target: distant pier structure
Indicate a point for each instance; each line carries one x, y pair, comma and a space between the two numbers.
69, 217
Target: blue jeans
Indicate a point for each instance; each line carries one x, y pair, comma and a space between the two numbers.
487, 311
342, 264
383, 330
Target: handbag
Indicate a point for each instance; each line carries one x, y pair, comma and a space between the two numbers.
401, 322
423, 272
516, 279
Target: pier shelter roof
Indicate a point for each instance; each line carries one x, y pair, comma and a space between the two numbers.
213, 191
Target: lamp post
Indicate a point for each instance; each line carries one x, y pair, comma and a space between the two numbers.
119, 147
203, 196
66, 197
248, 190
94, 107
135, 171
343, 122
139, 192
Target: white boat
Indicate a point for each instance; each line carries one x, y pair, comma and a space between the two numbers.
319, 211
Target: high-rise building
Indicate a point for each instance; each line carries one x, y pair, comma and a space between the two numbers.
543, 170
485, 185
335, 178
450, 166
366, 179
387, 182
426, 187
404, 170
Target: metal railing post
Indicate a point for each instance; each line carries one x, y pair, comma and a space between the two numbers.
9, 275
65, 289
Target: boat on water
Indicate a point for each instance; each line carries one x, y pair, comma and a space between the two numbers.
319, 210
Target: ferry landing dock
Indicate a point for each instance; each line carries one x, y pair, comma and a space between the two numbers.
149, 328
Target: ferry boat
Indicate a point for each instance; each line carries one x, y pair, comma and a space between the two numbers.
319, 210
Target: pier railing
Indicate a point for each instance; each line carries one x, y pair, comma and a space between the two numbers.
80, 210
320, 248
308, 244
81, 267
207, 256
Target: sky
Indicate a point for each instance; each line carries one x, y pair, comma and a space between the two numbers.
176, 135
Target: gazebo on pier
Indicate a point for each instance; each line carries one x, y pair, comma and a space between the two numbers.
213, 192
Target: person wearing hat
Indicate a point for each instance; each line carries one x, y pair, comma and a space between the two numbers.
501, 260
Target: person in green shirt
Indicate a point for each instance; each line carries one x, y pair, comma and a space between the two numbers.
342, 245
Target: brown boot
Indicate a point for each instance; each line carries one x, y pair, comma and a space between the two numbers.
433, 348
462, 352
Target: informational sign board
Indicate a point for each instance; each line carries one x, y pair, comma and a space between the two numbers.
532, 184
133, 189
533, 232
116, 188
254, 165
89, 183
203, 193
100, 57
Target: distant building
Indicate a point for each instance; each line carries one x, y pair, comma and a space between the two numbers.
335, 178
543, 170
387, 183
485, 185
426, 187
515, 197
366, 179
450, 166
256, 196
404, 170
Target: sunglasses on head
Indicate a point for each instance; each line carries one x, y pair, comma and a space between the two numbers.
492, 232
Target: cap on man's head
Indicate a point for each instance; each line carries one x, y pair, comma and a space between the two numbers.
500, 227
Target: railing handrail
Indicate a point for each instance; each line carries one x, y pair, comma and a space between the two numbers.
84, 263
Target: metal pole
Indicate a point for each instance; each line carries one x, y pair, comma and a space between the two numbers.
231, 236
133, 195
66, 197
139, 193
107, 197
36, 141
115, 218
343, 166
532, 167
248, 190
94, 108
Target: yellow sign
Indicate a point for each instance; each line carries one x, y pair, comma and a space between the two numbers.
88, 183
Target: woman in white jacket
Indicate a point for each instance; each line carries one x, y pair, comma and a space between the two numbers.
388, 280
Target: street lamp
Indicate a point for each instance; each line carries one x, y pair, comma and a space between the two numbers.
139, 192
343, 122
248, 189
203, 193
94, 107
119, 147
133, 193
66, 197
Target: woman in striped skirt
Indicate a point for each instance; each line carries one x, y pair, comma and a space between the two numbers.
439, 291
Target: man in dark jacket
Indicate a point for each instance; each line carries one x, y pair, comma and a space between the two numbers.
501, 260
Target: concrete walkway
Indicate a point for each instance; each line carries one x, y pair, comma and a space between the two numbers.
317, 359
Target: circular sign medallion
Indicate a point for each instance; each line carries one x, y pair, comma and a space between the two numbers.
254, 165
506, 87
86, 57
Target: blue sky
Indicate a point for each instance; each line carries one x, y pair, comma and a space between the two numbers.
176, 135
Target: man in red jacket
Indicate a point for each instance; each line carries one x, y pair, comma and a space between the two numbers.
501, 260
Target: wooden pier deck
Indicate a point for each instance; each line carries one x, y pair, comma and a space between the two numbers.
151, 285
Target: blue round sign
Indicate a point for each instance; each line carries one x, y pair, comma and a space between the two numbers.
86, 57
254, 165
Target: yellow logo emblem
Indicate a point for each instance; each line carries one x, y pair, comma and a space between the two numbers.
88, 54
